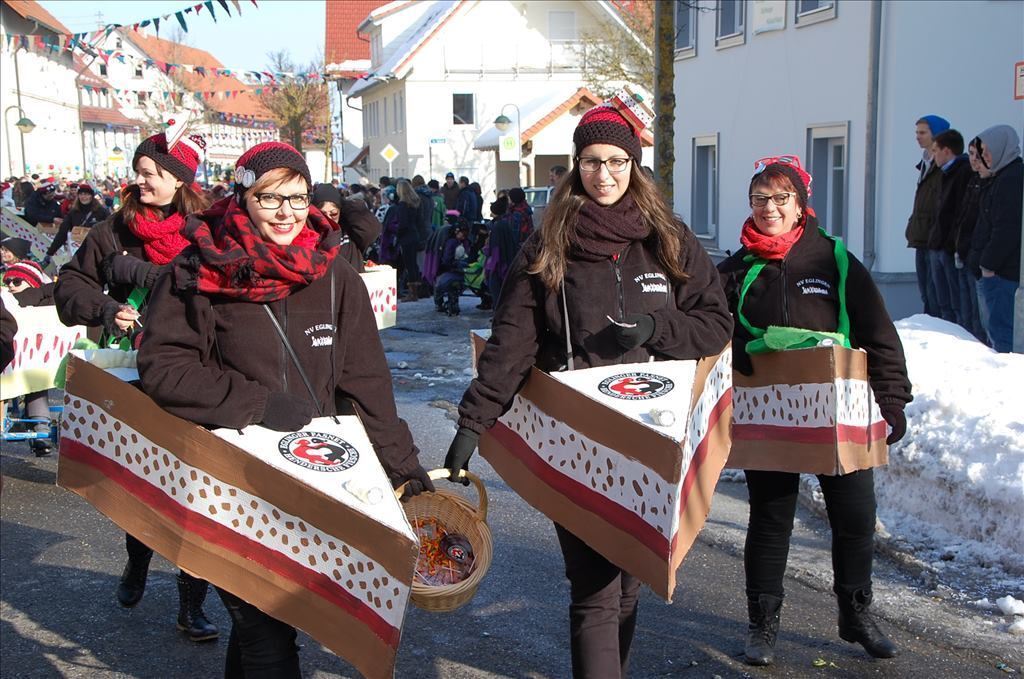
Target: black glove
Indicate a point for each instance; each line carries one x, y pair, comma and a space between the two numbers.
631, 338
416, 482
892, 413
286, 412
122, 269
111, 309
459, 452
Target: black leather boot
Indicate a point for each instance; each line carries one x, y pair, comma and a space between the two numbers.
191, 618
857, 625
762, 630
133, 580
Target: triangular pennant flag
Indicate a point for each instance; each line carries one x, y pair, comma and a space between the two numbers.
156, 25
224, 4
181, 20
209, 6
254, 4
238, 8
198, 8
142, 24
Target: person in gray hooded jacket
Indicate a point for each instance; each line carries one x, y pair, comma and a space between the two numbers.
995, 246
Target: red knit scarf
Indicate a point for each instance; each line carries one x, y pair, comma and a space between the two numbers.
234, 260
602, 232
161, 238
769, 247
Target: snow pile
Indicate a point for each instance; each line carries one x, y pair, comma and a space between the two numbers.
954, 486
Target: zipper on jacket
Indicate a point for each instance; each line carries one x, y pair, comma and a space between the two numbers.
619, 291
785, 295
284, 324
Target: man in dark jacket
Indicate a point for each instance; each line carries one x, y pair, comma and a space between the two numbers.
926, 201
468, 203
966, 219
948, 154
450, 191
995, 247
42, 206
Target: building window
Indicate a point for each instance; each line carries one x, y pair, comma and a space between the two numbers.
138, 70
562, 26
809, 12
686, 29
142, 98
704, 212
463, 109
827, 161
729, 25
103, 69
117, 43
386, 129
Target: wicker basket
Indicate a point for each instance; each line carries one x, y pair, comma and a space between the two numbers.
458, 516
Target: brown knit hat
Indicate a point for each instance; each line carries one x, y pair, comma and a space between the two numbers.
265, 157
605, 125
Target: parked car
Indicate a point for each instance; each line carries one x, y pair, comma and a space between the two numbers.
538, 197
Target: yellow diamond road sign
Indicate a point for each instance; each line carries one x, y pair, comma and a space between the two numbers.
389, 153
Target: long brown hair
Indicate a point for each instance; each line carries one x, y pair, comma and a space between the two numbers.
560, 221
186, 200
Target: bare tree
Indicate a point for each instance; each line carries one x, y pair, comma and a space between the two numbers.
607, 62
297, 104
611, 60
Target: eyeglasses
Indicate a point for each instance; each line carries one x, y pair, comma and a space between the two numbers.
272, 201
614, 165
760, 199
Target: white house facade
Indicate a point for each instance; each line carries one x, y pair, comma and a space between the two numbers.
37, 83
442, 72
841, 83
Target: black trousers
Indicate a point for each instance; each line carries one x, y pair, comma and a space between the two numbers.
138, 551
850, 501
260, 647
602, 610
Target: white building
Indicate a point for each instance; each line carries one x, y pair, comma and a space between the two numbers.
223, 109
442, 71
109, 137
37, 83
841, 83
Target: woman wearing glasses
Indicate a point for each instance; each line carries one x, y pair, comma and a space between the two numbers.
123, 256
798, 286
212, 354
610, 248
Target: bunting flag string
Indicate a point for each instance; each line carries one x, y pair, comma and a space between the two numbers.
68, 42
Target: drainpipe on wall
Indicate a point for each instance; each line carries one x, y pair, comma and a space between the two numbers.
871, 134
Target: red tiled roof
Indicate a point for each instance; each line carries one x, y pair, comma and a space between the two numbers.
245, 103
341, 42
106, 116
86, 76
582, 95
33, 11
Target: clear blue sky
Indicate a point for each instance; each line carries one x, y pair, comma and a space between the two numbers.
237, 42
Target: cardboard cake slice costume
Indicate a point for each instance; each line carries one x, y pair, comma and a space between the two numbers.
807, 410
39, 345
382, 287
585, 448
302, 525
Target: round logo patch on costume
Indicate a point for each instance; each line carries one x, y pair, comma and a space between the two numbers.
635, 386
318, 451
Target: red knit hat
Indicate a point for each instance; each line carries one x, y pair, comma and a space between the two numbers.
604, 124
181, 159
265, 157
28, 271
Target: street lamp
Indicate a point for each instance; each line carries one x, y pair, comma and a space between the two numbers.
502, 123
24, 126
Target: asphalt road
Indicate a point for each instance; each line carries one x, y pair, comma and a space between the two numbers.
60, 561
